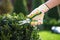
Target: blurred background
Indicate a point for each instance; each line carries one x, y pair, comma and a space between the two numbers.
18, 10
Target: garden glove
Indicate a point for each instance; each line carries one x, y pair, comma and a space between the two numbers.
39, 10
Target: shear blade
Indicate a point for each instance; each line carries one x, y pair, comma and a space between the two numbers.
22, 22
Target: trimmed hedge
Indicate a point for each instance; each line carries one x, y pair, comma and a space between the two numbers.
11, 30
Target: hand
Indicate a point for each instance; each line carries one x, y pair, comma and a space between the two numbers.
39, 19
43, 8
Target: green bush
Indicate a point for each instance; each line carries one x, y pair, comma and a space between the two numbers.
11, 30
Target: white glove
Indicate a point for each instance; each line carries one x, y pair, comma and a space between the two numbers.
39, 19
43, 8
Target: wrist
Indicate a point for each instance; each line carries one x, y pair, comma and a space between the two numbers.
52, 3
43, 8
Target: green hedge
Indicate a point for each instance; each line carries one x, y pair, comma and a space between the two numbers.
11, 30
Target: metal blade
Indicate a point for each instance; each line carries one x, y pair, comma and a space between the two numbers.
24, 22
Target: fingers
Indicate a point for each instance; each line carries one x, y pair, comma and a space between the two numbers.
33, 23
38, 17
39, 22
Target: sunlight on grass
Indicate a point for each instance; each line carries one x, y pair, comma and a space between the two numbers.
47, 35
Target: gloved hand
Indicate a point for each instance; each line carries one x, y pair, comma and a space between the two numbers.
38, 18
42, 8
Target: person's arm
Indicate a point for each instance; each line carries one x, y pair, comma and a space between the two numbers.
52, 3
48, 5
45, 7
42, 8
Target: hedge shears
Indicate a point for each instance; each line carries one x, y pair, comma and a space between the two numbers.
29, 19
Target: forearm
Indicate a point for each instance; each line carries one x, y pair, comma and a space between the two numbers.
48, 5
52, 3
44, 7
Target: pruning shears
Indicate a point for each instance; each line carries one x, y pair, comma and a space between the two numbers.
24, 21
28, 20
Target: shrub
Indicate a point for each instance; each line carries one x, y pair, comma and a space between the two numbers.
11, 30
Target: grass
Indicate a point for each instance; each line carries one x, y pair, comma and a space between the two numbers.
48, 35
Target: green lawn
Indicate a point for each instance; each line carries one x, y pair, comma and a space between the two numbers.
47, 35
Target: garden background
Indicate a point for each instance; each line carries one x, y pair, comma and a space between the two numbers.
11, 30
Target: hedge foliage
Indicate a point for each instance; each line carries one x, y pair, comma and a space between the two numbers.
11, 30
